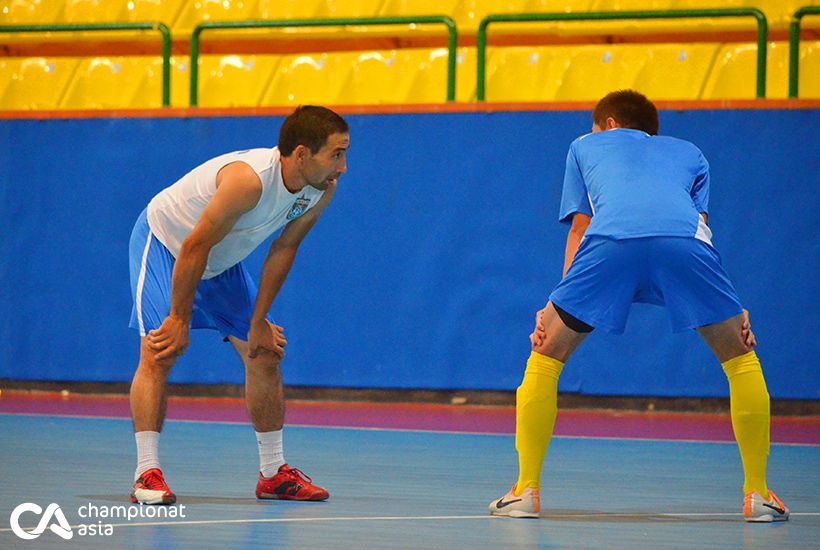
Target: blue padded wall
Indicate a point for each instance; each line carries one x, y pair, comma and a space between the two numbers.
428, 267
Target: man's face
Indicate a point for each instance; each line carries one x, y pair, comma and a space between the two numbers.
325, 167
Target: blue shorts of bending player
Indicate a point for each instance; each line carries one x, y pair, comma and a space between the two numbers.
223, 303
683, 274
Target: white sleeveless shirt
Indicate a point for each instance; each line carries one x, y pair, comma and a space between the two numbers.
174, 211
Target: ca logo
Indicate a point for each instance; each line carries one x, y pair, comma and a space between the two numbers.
60, 528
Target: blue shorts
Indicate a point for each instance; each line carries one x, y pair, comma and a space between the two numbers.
224, 303
684, 274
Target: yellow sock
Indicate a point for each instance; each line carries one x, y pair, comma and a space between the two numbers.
750, 418
536, 405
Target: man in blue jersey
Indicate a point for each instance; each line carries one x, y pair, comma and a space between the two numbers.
637, 205
187, 271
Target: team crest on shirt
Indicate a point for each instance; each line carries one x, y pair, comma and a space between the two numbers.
299, 207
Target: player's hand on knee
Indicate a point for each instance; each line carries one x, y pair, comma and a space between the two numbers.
540, 331
746, 331
279, 337
170, 340
266, 338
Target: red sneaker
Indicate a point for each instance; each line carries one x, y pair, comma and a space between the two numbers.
150, 488
289, 484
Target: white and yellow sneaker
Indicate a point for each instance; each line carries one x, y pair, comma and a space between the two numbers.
756, 509
525, 505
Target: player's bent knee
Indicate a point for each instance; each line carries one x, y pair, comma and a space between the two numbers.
157, 369
573, 323
266, 362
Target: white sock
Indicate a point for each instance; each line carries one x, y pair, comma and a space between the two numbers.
271, 453
147, 452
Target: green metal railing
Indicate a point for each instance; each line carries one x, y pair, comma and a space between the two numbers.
147, 26
794, 45
762, 31
452, 37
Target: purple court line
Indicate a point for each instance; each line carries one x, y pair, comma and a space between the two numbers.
424, 416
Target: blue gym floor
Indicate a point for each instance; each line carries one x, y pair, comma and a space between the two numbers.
399, 489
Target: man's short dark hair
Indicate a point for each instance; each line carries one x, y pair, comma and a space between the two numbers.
309, 125
630, 109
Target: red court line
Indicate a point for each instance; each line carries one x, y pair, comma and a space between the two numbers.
472, 107
423, 416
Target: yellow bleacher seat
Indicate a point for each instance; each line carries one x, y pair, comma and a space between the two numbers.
357, 8
235, 80
351, 8
165, 11
469, 13
419, 7
8, 65
676, 71
136, 82
180, 81
429, 84
196, 12
308, 79
86, 11
149, 90
778, 12
289, 9
404, 8
734, 72
106, 83
293, 9
378, 77
465, 74
90, 11
595, 71
809, 81
37, 82
229, 10
562, 73
645, 26
410, 75
325, 9
23, 12
525, 73
414, 75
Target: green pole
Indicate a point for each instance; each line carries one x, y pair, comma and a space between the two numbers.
452, 38
195, 65
166, 63
94, 27
794, 46
762, 50
481, 51
762, 31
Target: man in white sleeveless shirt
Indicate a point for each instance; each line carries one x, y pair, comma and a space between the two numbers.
186, 255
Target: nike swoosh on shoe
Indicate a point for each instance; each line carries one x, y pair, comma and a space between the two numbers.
774, 507
501, 504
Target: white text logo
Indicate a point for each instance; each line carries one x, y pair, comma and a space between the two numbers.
60, 528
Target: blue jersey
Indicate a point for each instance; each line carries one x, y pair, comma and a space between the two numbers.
636, 185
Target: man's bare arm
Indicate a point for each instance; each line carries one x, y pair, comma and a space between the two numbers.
238, 191
278, 263
580, 222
